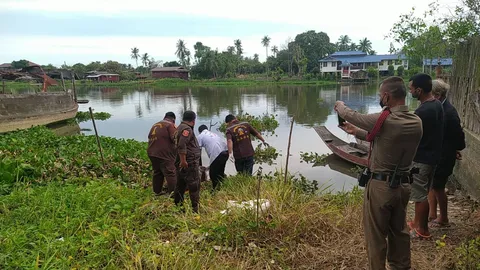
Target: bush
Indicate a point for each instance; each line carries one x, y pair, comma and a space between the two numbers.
414, 70
315, 71
372, 72
391, 70
400, 71
308, 77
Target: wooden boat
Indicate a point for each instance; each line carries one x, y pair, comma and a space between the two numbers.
351, 152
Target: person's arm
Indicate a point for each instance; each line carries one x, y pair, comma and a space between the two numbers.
356, 131
229, 143
255, 133
183, 138
456, 130
365, 122
171, 132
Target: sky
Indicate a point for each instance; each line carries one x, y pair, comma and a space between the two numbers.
59, 31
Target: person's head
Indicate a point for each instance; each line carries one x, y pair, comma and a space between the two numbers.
229, 118
202, 128
440, 89
420, 85
392, 92
189, 117
170, 115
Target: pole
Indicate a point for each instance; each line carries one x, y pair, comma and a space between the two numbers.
73, 85
96, 135
288, 149
63, 81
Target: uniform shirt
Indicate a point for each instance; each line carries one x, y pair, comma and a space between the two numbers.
239, 133
453, 136
187, 143
401, 133
161, 140
213, 144
430, 148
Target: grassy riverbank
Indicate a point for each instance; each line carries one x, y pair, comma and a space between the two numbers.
61, 209
14, 86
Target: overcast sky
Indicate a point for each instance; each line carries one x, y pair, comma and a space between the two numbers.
54, 31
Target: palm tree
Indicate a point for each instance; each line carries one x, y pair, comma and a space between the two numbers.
183, 53
274, 50
343, 43
145, 59
135, 54
353, 47
266, 43
238, 46
365, 45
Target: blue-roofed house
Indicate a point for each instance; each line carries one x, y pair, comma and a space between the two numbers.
348, 62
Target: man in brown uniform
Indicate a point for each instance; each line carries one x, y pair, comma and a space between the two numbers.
240, 144
384, 208
189, 153
162, 153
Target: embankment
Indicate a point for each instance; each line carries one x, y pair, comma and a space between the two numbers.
22, 111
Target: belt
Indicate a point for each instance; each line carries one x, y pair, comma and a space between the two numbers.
387, 176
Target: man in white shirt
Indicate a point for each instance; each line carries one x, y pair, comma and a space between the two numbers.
217, 152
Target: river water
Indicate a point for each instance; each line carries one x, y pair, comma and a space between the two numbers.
134, 111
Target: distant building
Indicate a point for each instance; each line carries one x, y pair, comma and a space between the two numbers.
444, 62
100, 76
348, 62
6, 67
170, 72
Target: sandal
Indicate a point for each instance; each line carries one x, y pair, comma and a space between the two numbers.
438, 224
414, 234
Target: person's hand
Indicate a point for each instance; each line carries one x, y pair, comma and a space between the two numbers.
349, 128
266, 144
339, 103
459, 155
183, 165
231, 158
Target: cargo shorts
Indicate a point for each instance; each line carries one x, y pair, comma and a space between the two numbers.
422, 182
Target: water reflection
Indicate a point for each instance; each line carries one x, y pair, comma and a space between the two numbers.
135, 110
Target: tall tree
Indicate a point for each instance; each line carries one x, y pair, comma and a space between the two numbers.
238, 47
183, 53
343, 43
135, 54
315, 45
274, 50
266, 43
200, 51
353, 46
365, 45
255, 57
145, 59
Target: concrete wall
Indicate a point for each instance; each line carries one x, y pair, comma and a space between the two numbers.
26, 110
467, 170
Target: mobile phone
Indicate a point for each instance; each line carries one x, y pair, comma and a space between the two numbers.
341, 121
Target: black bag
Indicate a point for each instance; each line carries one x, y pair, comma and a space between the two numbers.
364, 177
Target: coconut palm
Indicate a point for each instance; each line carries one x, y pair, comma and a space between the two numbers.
145, 59
274, 50
183, 53
266, 43
135, 54
353, 47
365, 45
343, 43
238, 46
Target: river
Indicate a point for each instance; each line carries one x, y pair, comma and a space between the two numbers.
134, 111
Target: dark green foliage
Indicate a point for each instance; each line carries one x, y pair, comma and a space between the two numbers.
391, 70
85, 116
20, 64
400, 71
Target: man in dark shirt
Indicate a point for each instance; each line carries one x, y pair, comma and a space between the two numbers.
188, 161
429, 152
453, 143
162, 153
240, 144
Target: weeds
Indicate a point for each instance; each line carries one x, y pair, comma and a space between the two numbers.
315, 158
85, 116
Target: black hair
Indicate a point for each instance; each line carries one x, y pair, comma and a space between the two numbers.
202, 128
423, 81
229, 118
170, 115
395, 86
189, 116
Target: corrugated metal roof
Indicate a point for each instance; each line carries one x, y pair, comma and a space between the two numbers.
6, 65
345, 53
434, 62
178, 69
98, 75
365, 58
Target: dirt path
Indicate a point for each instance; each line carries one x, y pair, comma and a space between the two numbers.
439, 252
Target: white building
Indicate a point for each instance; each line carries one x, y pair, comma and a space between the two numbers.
348, 62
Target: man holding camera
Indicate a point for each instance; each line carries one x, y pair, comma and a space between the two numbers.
395, 134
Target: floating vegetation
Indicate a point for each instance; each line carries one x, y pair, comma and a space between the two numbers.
85, 116
315, 158
265, 123
265, 154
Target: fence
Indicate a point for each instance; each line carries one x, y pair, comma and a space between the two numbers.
465, 96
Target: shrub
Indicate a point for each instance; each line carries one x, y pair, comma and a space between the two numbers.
391, 70
400, 71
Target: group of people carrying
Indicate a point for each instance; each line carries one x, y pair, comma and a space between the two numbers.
411, 158
175, 154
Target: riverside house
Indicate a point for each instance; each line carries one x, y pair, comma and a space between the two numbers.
348, 62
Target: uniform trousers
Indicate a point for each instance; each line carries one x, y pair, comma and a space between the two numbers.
188, 177
384, 220
163, 169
